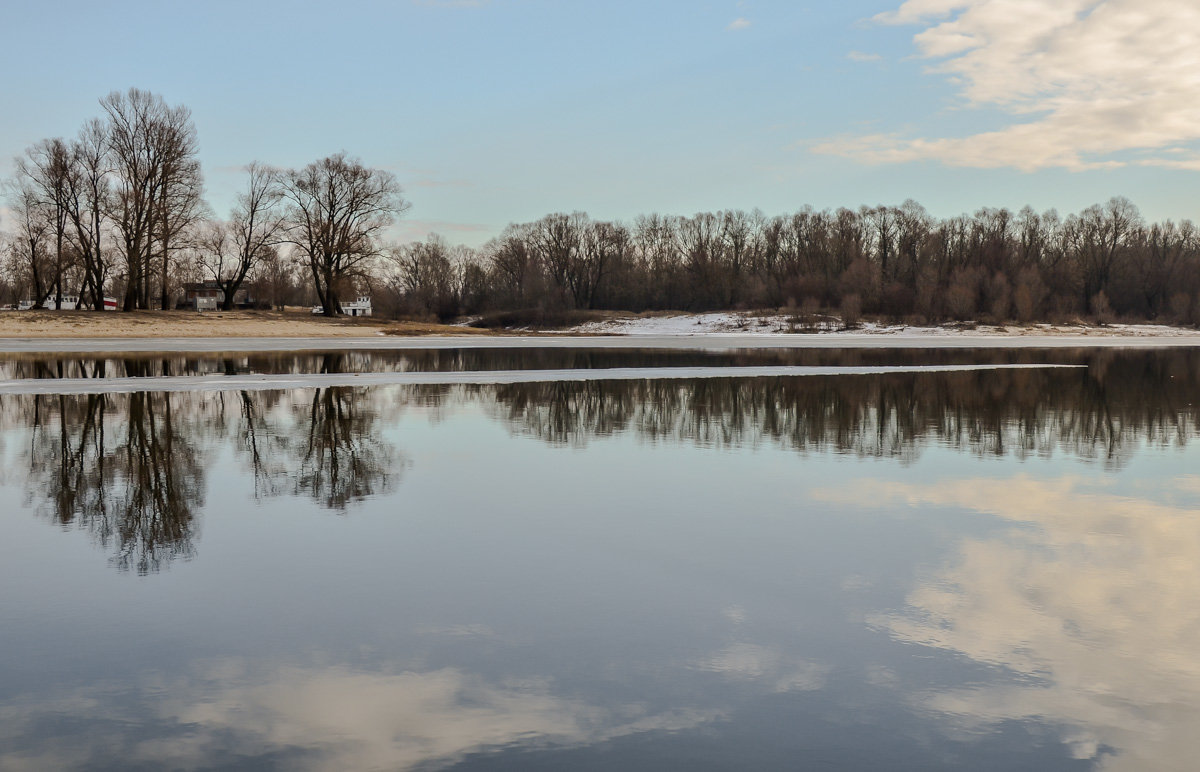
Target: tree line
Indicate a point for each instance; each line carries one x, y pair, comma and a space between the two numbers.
892, 261
120, 211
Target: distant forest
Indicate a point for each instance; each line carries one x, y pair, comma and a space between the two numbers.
119, 211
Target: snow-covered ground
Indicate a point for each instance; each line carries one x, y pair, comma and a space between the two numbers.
752, 324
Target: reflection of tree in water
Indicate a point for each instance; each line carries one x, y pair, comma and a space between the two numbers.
125, 468
130, 469
341, 459
332, 454
164, 483
322, 444
244, 418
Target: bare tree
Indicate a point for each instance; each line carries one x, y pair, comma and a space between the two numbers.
1102, 234
152, 150
180, 208
29, 244
88, 192
337, 211
45, 168
427, 278
229, 252
602, 246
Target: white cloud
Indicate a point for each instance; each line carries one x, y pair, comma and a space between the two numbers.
739, 23
1084, 80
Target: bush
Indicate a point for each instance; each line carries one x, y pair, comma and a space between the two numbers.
851, 311
1101, 309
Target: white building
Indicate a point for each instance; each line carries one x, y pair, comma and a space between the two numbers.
359, 307
69, 303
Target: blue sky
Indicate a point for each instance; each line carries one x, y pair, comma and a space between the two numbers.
494, 111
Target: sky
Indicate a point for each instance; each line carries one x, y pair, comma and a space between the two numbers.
498, 111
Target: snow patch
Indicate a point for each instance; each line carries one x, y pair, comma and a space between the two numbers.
727, 322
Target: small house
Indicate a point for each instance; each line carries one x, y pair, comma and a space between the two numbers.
209, 296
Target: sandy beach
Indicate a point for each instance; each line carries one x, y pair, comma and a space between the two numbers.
300, 323
210, 324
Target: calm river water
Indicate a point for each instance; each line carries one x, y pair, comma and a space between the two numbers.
986, 569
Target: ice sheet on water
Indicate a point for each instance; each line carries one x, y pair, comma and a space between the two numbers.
262, 382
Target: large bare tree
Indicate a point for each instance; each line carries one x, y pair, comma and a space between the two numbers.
152, 150
336, 214
88, 192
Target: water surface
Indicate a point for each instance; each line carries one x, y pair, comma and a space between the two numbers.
939, 570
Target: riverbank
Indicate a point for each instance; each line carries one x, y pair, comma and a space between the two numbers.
300, 330
208, 324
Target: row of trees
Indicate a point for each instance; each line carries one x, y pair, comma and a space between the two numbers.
892, 261
120, 209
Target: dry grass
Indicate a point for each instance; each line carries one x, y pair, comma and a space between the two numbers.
297, 323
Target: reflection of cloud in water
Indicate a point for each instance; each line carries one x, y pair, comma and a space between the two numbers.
328, 718
752, 662
1092, 600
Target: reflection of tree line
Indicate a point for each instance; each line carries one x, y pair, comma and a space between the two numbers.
1105, 411
131, 468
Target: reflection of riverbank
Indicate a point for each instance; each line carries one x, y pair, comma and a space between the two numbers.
1089, 597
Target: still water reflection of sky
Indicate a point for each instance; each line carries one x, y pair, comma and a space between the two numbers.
985, 570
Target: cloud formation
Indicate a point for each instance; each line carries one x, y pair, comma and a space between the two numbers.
739, 23
1086, 83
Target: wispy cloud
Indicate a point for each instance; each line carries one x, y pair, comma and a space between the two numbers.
453, 3
433, 182
739, 23
419, 229
1084, 81
860, 56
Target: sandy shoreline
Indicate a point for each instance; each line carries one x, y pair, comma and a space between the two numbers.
210, 324
246, 331
702, 342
